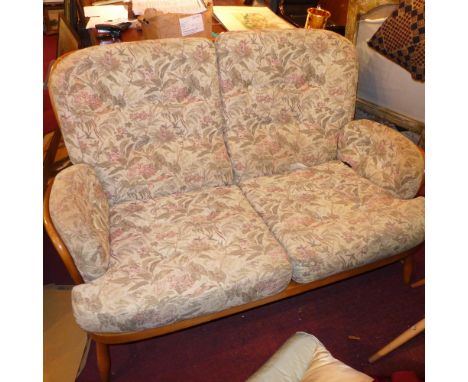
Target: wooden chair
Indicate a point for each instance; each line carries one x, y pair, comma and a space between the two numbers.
55, 155
68, 40
357, 9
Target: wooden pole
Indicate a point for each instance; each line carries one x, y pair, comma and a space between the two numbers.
400, 340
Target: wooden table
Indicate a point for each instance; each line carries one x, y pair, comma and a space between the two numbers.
134, 34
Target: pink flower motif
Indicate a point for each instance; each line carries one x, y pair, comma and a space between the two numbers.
85, 99
165, 235
108, 61
180, 282
221, 154
320, 45
201, 55
298, 80
243, 49
239, 166
179, 94
275, 62
260, 98
140, 116
165, 135
226, 85
303, 252
195, 178
140, 169
115, 234
221, 191
283, 116
114, 155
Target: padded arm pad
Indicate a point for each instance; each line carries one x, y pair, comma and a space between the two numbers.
382, 155
80, 212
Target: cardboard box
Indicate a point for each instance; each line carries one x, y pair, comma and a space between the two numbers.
65, 344
156, 24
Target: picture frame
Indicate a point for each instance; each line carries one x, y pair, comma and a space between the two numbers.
51, 13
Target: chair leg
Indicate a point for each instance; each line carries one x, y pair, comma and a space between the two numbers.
400, 340
407, 269
103, 361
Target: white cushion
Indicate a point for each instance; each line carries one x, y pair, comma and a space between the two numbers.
303, 358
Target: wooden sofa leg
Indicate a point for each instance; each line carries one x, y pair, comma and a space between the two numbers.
103, 361
407, 269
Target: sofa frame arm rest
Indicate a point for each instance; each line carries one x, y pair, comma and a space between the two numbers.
383, 156
76, 217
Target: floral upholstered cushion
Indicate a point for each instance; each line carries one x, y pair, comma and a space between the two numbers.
330, 219
382, 155
181, 256
145, 115
286, 95
80, 213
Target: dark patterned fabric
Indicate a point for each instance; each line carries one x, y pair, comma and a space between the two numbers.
401, 37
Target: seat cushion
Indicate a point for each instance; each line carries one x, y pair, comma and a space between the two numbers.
330, 219
304, 358
181, 256
146, 115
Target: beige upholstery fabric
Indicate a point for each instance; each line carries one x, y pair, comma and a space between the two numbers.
80, 213
145, 115
286, 96
382, 155
303, 358
330, 219
179, 257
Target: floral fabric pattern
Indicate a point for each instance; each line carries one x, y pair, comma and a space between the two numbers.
286, 96
382, 155
181, 256
80, 213
145, 115
329, 219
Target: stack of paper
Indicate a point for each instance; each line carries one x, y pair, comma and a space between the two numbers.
105, 14
188, 7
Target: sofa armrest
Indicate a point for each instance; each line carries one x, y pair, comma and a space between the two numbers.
382, 155
80, 213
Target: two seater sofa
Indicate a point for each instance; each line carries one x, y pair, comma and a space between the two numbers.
210, 178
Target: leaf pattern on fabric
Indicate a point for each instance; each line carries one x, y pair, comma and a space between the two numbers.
286, 96
145, 115
329, 219
181, 256
382, 155
148, 211
80, 213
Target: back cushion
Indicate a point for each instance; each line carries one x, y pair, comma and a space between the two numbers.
145, 115
286, 95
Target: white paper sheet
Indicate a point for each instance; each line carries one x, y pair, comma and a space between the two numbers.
188, 7
110, 11
191, 24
